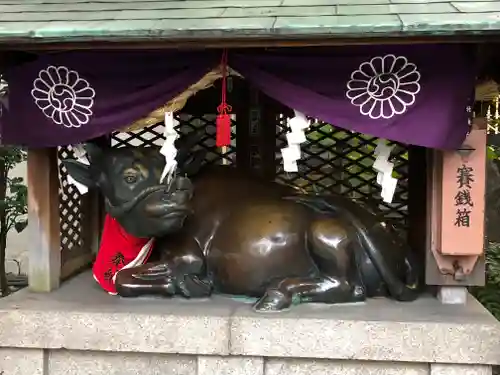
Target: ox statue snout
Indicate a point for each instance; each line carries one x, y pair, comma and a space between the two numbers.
157, 210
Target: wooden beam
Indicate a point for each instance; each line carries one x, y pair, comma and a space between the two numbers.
43, 217
247, 42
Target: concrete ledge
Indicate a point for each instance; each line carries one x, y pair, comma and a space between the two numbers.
79, 316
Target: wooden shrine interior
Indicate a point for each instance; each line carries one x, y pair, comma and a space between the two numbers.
73, 222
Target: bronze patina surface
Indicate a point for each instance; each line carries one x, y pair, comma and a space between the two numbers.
220, 231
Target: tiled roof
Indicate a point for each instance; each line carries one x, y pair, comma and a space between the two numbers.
74, 20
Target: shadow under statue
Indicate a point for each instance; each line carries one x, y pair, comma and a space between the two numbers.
219, 231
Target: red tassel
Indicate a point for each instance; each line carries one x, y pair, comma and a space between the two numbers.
223, 123
223, 136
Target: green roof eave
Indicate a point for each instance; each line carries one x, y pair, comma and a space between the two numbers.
34, 21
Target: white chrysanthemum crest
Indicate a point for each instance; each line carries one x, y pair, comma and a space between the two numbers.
384, 87
63, 96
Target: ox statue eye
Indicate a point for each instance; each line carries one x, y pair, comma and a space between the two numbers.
130, 179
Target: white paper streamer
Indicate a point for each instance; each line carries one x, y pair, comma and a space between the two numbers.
389, 184
80, 156
294, 138
384, 168
168, 149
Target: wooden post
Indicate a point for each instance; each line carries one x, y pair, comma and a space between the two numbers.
43, 218
268, 130
243, 135
81, 258
417, 212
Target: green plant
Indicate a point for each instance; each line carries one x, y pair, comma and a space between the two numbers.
13, 204
489, 295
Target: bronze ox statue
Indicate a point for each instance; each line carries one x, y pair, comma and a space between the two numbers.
221, 231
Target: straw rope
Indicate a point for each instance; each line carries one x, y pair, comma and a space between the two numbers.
179, 101
176, 103
486, 91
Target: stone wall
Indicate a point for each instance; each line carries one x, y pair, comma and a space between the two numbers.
72, 362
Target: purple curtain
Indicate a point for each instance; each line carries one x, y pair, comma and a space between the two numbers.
68, 98
415, 94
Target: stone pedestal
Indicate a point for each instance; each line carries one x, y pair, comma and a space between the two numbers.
80, 330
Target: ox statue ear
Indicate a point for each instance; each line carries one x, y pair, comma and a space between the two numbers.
79, 171
94, 151
192, 163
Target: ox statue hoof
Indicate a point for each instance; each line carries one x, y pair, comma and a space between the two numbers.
192, 286
273, 301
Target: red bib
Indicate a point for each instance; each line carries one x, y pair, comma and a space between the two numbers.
118, 250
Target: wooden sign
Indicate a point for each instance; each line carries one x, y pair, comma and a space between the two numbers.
463, 197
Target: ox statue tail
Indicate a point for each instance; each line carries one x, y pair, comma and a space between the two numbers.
345, 209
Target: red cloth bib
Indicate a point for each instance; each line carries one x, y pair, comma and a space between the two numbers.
118, 250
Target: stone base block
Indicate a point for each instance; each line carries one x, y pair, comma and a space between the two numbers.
15, 361
451, 369
72, 362
102, 334
327, 367
233, 365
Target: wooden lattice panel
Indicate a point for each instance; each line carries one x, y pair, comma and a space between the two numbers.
340, 161
203, 126
334, 160
70, 210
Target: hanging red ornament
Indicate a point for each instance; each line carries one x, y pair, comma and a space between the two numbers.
223, 123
